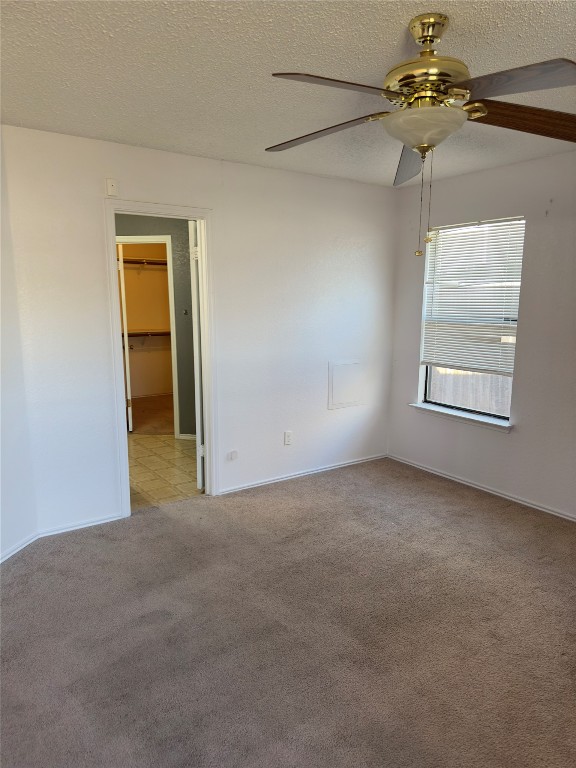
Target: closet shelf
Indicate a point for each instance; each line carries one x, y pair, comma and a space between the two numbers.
157, 262
148, 333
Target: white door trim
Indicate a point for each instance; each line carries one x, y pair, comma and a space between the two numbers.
112, 207
167, 241
194, 237
125, 342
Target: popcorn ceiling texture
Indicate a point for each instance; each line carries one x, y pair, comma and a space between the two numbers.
195, 77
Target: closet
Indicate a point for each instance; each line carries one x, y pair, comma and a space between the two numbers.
146, 325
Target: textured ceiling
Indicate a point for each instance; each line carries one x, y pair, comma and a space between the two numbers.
195, 77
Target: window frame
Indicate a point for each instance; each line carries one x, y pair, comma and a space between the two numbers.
425, 402
457, 408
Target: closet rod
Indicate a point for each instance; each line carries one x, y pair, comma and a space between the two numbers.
148, 333
159, 262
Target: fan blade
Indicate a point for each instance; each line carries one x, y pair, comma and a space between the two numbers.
325, 132
542, 122
534, 77
409, 166
302, 77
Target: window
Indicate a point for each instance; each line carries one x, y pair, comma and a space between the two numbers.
471, 296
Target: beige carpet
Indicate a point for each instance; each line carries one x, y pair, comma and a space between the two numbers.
370, 617
153, 415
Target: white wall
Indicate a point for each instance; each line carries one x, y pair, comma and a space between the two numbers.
18, 522
302, 274
536, 461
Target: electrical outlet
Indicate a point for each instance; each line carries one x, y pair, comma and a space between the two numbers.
288, 438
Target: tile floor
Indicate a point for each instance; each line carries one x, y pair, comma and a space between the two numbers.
161, 469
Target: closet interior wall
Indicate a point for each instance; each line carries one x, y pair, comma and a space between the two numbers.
148, 315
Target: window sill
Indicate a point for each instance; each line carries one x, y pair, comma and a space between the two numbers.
472, 418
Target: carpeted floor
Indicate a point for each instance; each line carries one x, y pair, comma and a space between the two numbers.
153, 415
370, 617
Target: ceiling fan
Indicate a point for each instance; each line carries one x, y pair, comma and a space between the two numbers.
433, 93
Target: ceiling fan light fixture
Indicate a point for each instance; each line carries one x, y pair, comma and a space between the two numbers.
425, 127
434, 91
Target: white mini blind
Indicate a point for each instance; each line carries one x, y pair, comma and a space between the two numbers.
472, 291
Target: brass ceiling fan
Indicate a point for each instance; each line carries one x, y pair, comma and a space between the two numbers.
433, 93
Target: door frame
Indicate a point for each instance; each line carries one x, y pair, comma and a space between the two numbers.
125, 337
167, 241
206, 312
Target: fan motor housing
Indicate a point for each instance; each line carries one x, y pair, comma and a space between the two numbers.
426, 72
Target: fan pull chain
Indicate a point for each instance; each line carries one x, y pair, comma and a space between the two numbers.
419, 251
428, 238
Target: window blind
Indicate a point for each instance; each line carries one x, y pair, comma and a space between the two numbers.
472, 291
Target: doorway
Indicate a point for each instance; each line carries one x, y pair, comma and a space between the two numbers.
145, 282
161, 289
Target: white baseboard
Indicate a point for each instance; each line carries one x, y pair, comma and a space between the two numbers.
88, 523
272, 480
487, 488
17, 547
59, 529
76, 527
185, 437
